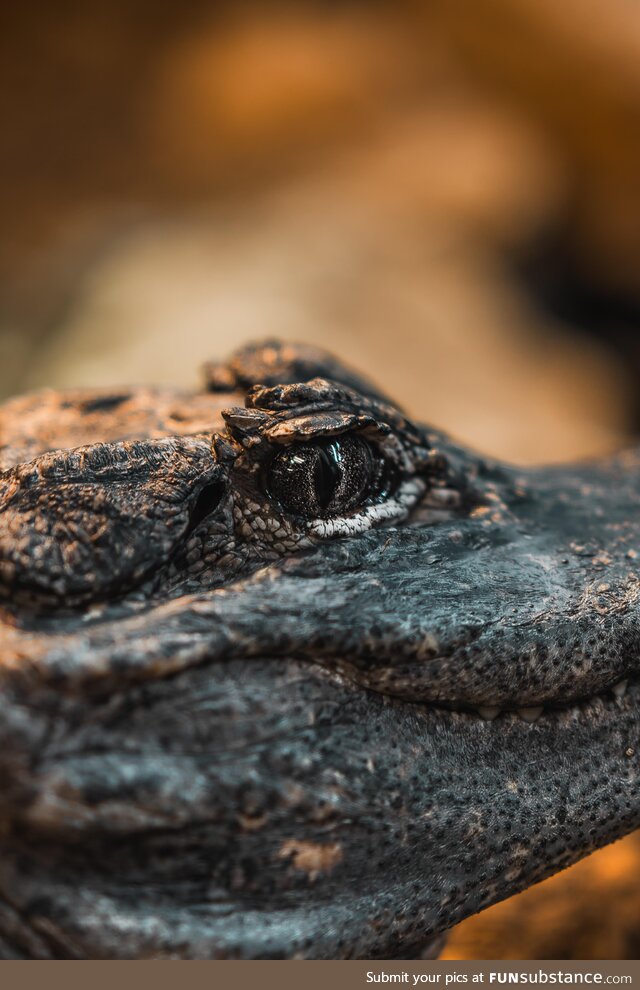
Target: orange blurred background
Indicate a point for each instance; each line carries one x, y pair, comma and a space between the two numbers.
446, 194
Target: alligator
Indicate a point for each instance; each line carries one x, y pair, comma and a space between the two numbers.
285, 675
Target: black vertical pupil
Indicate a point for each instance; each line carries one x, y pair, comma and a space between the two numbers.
327, 473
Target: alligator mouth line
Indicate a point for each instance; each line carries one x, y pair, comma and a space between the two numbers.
603, 701
614, 699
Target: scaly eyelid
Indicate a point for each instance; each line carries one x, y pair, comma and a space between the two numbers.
318, 425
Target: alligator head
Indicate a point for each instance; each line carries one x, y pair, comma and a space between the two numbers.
283, 674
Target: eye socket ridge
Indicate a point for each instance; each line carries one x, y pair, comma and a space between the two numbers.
329, 476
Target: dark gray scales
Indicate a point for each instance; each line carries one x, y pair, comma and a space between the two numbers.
283, 674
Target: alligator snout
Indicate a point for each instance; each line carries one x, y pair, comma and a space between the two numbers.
299, 677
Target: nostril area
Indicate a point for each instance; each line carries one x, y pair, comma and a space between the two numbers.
207, 502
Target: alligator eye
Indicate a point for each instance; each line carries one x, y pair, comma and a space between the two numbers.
328, 477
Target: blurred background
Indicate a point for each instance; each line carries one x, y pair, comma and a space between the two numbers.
446, 194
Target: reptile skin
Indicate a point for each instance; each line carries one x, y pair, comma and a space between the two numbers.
283, 674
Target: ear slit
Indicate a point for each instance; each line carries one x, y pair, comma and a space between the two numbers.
206, 503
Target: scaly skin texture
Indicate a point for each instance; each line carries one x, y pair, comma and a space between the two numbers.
228, 729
